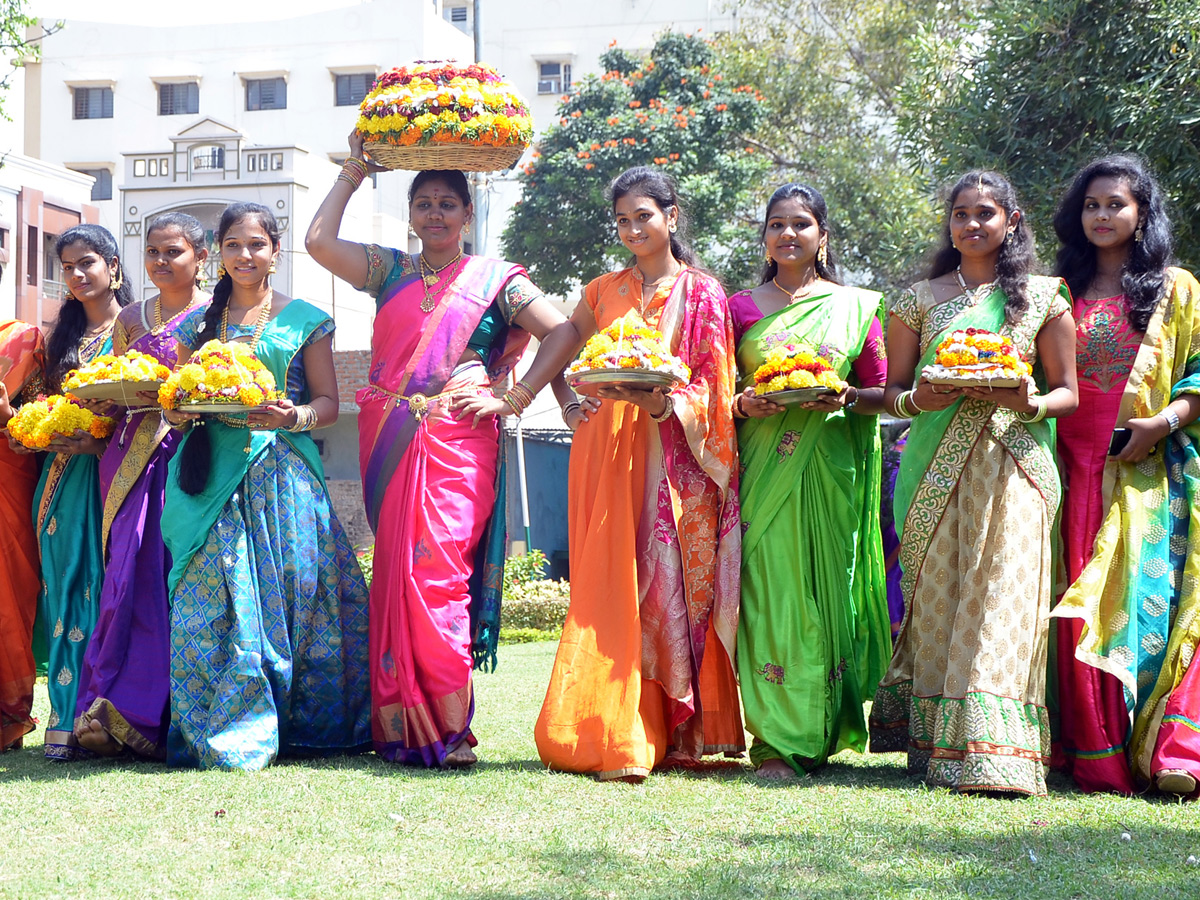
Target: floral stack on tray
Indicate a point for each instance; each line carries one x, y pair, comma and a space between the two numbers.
630, 354
796, 374
117, 378
220, 377
975, 358
36, 424
439, 115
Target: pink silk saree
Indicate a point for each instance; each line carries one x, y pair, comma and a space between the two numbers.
429, 484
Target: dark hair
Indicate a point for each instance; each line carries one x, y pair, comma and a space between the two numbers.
815, 204
453, 179
1143, 275
659, 187
62, 348
1017, 256
188, 226
196, 456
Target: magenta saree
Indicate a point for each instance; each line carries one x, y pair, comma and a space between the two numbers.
430, 488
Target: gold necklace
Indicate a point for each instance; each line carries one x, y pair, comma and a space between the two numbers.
158, 325
962, 282
670, 276
803, 291
433, 297
432, 278
260, 326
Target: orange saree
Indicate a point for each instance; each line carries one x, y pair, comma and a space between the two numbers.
644, 666
20, 576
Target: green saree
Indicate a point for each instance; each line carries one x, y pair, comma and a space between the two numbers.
814, 635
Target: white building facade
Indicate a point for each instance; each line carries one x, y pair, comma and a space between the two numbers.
194, 117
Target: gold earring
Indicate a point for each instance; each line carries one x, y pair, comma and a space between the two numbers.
768, 257
466, 228
271, 268
1008, 238
115, 283
412, 232
1137, 235
823, 256
221, 273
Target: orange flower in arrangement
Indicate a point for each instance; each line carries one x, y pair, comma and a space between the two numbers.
36, 424
978, 351
220, 373
444, 103
628, 344
791, 367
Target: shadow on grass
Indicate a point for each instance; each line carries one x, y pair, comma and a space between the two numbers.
885, 859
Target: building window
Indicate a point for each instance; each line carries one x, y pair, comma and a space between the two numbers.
93, 103
266, 93
350, 89
456, 16
178, 99
208, 158
102, 188
553, 77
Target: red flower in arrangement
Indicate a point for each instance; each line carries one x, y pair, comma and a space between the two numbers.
972, 331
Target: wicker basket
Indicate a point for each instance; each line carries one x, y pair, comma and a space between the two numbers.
463, 157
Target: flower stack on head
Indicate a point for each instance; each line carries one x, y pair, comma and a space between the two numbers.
793, 368
438, 115
108, 369
977, 357
625, 345
36, 424
220, 373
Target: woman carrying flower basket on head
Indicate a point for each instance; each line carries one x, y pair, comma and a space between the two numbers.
644, 667
813, 636
448, 328
976, 500
1127, 629
123, 693
68, 508
22, 361
268, 604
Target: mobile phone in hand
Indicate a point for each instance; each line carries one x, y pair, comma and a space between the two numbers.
1120, 437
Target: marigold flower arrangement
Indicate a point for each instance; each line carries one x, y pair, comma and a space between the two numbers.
106, 368
790, 368
441, 103
36, 424
979, 355
624, 345
219, 373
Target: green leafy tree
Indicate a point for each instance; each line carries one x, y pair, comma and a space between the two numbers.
831, 73
16, 43
675, 110
1036, 88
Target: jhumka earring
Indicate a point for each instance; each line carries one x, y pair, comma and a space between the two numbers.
221, 273
1137, 234
115, 283
823, 256
271, 268
466, 228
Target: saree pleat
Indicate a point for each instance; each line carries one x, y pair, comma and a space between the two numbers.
977, 497
20, 574
813, 634
1137, 601
644, 665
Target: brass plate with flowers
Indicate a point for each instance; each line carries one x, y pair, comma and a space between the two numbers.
588, 383
122, 392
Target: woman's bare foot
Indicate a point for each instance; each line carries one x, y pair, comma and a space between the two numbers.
92, 736
775, 769
461, 757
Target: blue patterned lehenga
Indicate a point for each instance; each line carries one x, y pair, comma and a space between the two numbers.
269, 607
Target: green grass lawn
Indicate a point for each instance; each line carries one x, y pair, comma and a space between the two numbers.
358, 827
